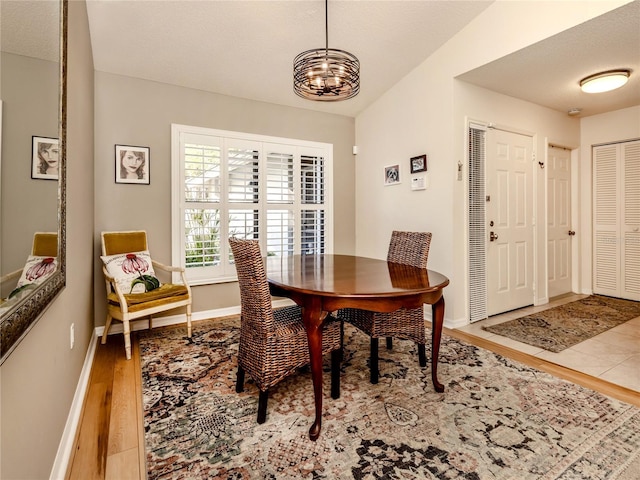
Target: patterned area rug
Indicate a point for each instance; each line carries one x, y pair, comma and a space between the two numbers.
497, 419
561, 327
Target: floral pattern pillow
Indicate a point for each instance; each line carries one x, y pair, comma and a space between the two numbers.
133, 272
36, 270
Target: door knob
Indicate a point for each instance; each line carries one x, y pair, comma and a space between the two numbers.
492, 236
572, 233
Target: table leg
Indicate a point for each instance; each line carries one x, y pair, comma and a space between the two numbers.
313, 317
437, 319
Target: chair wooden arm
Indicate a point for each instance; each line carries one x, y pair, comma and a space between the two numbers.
111, 284
11, 275
166, 268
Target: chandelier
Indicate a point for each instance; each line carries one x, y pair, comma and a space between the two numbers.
326, 74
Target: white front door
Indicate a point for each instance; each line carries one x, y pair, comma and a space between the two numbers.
559, 233
509, 221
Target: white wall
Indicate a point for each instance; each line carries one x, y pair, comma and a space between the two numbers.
598, 129
425, 113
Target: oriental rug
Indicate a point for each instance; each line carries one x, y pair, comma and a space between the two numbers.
497, 419
558, 328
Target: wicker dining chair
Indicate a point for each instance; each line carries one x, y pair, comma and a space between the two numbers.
273, 342
407, 248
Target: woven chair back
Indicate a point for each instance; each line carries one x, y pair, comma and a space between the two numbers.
255, 298
409, 248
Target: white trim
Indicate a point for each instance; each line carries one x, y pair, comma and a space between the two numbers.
116, 327
65, 447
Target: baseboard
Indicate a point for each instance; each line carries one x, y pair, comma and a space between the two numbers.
65, 447
179, 319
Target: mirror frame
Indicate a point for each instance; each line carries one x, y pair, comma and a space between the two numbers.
17, 323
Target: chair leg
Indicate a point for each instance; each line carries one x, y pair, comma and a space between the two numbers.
240, 380
422, 356
341, 340
150, 322
262, 406
127, 339
389, 343
107, 325
373, 360
189, 321
336, 358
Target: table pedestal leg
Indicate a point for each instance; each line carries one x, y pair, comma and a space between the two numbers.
437, 319
313, 317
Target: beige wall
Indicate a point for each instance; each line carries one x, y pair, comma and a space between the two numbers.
39, 378
598, 129
30, 107
426, 112
132, 111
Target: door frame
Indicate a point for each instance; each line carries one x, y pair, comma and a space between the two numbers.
537, 196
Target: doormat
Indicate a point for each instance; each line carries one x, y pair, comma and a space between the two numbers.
562, 327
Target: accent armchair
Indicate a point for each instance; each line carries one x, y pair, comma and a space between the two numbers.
133, 292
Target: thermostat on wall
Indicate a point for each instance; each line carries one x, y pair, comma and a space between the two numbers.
419, 183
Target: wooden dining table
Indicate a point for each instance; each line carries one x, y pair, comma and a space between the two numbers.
321, 284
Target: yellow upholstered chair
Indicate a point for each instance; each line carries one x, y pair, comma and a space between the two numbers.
45, 244
133, 291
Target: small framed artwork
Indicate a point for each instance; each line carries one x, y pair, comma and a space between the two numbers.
45, 157
392, 175
419, 164
132, 164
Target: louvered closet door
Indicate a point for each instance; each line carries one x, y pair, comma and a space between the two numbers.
616, 242
630, 258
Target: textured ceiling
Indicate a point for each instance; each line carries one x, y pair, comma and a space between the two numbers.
246, 48
548, 73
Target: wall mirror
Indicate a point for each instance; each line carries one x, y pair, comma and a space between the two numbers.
33, 41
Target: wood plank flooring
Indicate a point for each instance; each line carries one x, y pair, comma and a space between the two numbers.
110, 439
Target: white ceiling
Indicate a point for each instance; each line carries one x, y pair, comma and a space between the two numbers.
246, 48
548, 73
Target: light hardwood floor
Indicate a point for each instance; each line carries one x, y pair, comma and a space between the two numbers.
110, 439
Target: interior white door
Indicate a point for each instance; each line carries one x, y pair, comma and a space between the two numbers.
509, 221
559, 233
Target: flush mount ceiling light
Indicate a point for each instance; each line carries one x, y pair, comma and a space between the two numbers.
326, 74
604, 81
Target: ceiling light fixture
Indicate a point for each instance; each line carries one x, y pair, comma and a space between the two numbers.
604, 81
326, 74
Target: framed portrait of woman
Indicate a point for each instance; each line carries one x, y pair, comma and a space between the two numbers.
132, 164
45, 156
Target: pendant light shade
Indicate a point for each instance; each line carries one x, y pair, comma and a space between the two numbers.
326, 74
604, 81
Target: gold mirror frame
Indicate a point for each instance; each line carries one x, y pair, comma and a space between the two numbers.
17, 322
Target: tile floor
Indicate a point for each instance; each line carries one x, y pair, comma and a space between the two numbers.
613, 355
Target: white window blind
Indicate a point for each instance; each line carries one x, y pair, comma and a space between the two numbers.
477, 228
249, 186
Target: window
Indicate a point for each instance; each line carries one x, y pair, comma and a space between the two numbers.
226, 184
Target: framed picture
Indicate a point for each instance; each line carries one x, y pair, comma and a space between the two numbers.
392, 174
132, 164
45, 155
419, 164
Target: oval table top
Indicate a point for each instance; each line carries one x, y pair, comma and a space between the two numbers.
331, 275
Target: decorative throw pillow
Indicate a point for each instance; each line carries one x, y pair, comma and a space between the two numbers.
133, 272
36, 270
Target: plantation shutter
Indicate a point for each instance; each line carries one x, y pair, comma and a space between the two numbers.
477, 229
